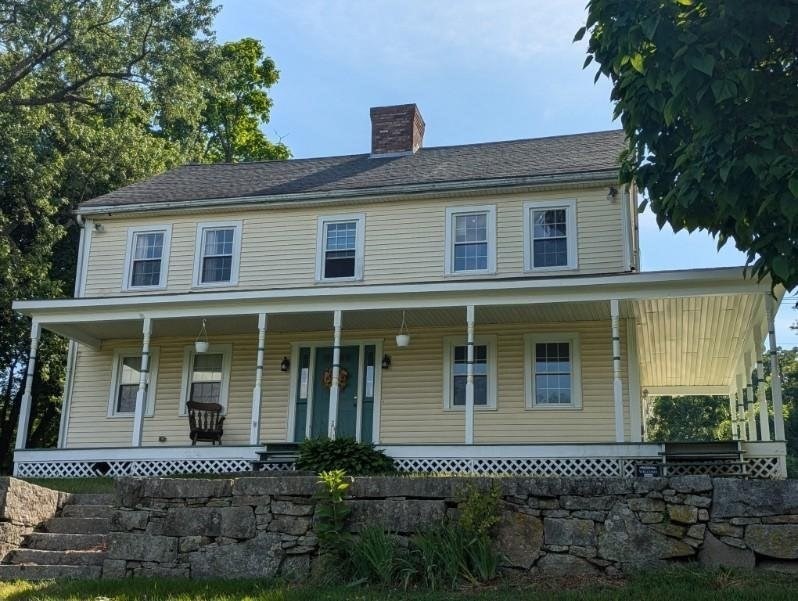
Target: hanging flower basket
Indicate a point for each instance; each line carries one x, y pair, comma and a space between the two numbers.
201, 344
403, 337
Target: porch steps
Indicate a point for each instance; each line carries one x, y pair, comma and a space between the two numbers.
72, 545
276, 453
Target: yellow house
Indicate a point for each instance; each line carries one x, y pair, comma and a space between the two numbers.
474, 308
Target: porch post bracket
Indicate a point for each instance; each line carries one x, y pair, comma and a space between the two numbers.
775, 372
141, 393
617, 388
24, 410
469, 400
254, 431
336, 372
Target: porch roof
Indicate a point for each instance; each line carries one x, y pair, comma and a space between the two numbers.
692, 327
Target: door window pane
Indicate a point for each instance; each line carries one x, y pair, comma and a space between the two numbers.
339, 249
549, 238
147, 255
217, 255
460, 375
470, 242
553, 371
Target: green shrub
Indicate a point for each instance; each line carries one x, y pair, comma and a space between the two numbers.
331, 515
355, 458
480, 510
792, 466
375, 556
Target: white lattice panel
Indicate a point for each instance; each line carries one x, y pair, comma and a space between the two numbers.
519, 466
765, 467
170, 467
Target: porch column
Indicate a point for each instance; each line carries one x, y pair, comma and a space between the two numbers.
735, 431
24, 409
775, 372
741, 422
761, 396
336, 371
254, 432
469, 400
749, 398
617, 385
141, 393
635, 404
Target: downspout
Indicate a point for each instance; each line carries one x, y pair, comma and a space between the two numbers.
84, 245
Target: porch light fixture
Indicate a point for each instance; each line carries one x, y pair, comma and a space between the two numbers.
386, 361
285, 364
612, 194
403, 337
201, 344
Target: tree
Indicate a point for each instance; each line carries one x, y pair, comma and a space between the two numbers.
689, 418
94, 94
706, 93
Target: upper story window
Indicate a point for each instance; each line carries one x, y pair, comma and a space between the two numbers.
550, 236
125, 378
553, 371
147, 257
456, 372
470, 240
217, 254
340, 248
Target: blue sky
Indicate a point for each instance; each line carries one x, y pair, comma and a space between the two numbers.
479, 71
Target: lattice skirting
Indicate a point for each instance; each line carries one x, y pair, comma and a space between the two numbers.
166, 467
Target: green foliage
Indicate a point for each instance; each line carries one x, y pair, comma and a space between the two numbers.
706, 93
359, 459
95, 95
376, 557
332, 512
480, 510
689, 418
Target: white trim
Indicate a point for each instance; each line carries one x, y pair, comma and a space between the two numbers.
119, 354
165, 252
573, 340
154, 453
360, 245
449, 342
237, 227
633, 367
572, 238
189, 353
490, 227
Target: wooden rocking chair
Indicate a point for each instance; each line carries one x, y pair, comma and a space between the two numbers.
205, 421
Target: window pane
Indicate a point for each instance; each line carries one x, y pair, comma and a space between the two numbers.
549, 224
217, 269
148, 245
219, 242
205, 392
146, 273
553, 373
470, 228
339, 264
126, 398
206, 378
128, 384
460, 373
550, 252
341, 236
469, 257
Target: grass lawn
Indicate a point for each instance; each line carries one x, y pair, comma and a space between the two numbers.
677, 584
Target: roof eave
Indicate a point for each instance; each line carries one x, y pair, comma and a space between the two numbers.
397, 192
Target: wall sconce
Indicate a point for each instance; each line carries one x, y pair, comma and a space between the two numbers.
99, 227
285, 364
612, 194
386, 361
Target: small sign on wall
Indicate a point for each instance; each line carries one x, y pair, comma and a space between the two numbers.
648, 471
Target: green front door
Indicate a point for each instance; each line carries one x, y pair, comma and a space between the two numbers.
347, 395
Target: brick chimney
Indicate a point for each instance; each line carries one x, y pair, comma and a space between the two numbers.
396, 130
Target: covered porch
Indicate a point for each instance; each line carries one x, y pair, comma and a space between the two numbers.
639, 335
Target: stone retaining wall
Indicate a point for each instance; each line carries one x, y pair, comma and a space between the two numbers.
263, 526
23, 507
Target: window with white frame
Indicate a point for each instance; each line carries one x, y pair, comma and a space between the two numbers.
206, 376
470, 240
147, 258
125, 377
550, 234
340, 247
553, 371
455, 370
217, 254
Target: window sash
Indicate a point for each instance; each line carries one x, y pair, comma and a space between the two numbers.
553, 371
146, 261
550, 236
207, 372
218, 245
470, 241
460, 375
340, 249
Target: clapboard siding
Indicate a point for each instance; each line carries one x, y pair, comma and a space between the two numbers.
412, 407
404, 241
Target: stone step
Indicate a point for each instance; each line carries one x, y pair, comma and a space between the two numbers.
91, 498
31, 572
48, 541
87, 511
78, 525
55, 558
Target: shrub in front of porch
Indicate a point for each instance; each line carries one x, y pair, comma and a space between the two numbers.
355, 458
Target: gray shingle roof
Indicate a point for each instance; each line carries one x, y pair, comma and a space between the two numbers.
559, 155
